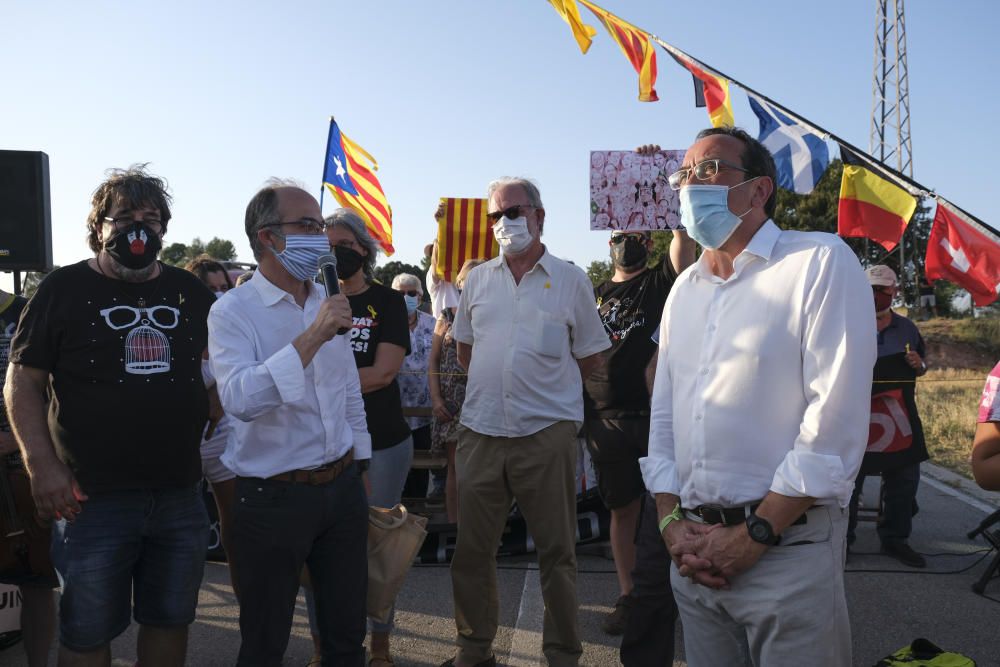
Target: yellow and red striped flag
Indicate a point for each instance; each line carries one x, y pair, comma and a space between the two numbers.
710, 90
348, 176
636, 46
570, 13
464, 233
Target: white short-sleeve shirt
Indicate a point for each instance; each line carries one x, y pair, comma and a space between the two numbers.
526, 339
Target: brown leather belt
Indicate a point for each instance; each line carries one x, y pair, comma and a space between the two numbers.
731, 516
316, 476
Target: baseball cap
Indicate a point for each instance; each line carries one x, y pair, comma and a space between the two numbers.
881, 275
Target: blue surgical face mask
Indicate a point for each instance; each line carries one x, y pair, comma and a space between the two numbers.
301, 254
411, 303
705, 213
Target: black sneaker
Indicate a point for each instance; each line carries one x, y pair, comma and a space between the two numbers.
615, 622
904, 553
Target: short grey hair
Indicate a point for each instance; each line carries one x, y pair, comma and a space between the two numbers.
263, 210
406, 279
534, 197
345, 217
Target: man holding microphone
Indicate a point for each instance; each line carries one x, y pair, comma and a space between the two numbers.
300, 440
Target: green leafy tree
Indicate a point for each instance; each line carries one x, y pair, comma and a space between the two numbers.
179, 254
599, 271
174, 254
221, 249
385, 273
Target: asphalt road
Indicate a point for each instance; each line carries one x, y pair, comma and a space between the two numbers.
890, 604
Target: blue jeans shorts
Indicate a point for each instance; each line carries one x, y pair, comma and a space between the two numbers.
149, 543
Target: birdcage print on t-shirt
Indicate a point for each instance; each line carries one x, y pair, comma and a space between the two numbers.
147, 349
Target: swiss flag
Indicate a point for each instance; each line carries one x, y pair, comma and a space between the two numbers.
965, 252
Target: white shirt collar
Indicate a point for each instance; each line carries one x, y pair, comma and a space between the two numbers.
270, 293
761, 245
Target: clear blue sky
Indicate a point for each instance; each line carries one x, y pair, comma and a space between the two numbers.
447, 95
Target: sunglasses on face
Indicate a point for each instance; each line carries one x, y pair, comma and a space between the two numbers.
411, 292
621, 238
511, 213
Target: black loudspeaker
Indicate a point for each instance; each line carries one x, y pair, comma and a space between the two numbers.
25, 212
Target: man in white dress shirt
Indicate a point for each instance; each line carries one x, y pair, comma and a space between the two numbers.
528, 332
299, 439
759, 418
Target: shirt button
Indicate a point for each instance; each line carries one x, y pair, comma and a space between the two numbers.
711, 327
697, 417
704, 371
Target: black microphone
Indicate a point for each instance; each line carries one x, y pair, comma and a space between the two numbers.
328, 267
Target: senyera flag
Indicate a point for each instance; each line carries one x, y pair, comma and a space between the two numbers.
350, 179
964, 251
464, 233
636, 46
871, 206
710, 90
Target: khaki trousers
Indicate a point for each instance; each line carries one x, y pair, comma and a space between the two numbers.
787, 609
539, 471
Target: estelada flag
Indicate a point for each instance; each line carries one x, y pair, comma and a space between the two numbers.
710, 90
636, 46
871, 206
960, 249
464, 233
347, 174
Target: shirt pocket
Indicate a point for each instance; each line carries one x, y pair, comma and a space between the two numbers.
552, 336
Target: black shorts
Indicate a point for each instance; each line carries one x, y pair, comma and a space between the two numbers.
615, 446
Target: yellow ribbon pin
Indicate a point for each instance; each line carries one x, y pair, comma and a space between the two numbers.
371, 311
548, 285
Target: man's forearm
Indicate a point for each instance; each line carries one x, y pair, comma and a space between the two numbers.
665, 504
24, 396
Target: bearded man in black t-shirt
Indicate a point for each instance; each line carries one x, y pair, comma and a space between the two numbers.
616, 400
118, 340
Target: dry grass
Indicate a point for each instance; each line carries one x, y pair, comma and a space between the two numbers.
948, 400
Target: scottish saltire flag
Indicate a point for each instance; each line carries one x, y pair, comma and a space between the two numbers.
800, 155
348, 176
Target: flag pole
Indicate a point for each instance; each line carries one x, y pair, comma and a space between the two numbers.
326, 156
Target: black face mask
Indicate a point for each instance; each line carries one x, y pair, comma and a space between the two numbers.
629, 253
134, 247
349, 261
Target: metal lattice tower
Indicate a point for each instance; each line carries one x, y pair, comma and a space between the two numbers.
890, 128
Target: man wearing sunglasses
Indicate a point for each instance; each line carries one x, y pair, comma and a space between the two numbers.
616, 405
759, 418
119, 340
527, 331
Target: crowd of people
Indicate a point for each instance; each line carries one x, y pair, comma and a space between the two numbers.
302, 404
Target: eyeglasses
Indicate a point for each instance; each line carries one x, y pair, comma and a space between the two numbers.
412, 292
511, 213
621, 238
703, 171
310, 225
126, 220
122, 317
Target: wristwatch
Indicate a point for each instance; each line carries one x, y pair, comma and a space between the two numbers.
363, 464
761, 531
